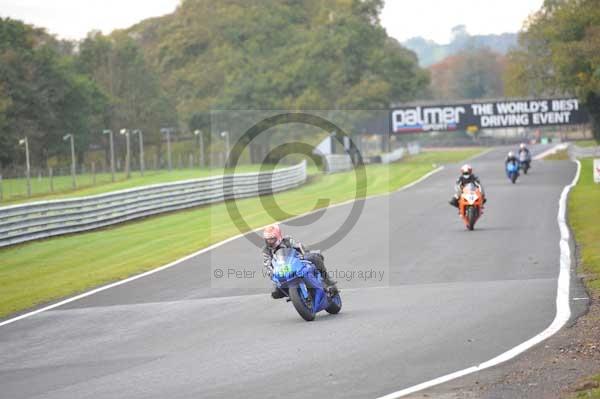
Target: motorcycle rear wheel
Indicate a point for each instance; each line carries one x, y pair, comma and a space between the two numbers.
335, 306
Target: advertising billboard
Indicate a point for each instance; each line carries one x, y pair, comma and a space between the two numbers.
487, 115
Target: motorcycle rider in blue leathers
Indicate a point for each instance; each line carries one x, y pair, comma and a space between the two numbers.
510, 158
275, 240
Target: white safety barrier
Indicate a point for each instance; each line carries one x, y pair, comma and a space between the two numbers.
20, 223
414, 148
337, 163
393, 156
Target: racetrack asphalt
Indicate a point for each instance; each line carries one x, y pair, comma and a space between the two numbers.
448, 299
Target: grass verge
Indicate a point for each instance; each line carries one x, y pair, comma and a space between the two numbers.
590, 389
561, 155
584, 218
39, 272
586, 143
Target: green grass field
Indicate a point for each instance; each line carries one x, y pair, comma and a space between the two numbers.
15, 190
39, 272
593, 393
586, 143
561, 155
584, 219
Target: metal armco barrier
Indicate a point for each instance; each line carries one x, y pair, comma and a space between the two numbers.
20, 223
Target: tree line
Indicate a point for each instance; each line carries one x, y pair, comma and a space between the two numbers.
173, 70
430, 52
559, 53
263, 54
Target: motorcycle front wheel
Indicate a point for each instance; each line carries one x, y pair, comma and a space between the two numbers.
471, 217
304, 306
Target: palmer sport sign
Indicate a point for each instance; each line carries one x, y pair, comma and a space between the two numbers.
487, 115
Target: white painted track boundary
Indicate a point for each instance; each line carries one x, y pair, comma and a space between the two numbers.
178, 261
563, 311
551, 151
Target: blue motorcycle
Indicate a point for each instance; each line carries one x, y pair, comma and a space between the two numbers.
512, 171
303, 284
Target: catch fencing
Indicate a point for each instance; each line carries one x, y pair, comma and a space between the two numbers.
26, 222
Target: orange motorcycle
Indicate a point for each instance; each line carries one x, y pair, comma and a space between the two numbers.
470, 205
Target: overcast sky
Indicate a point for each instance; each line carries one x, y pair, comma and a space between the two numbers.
432, 19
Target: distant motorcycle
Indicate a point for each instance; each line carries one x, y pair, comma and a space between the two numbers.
512, 171
470, 205
524, 162
302, 282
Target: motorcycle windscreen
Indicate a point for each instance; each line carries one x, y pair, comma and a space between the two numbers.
286, 263
470, 187
470, 193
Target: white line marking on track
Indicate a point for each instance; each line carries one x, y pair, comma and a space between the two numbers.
178, 261
553, 150
479, 155
563, 311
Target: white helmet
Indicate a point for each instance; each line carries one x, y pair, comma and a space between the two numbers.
522, 146
511, 154
466, 170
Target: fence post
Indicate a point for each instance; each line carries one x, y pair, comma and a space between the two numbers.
0, 187
51, 177
93, 173
191, 157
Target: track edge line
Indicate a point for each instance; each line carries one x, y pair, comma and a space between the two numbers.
563, 310
199, 252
